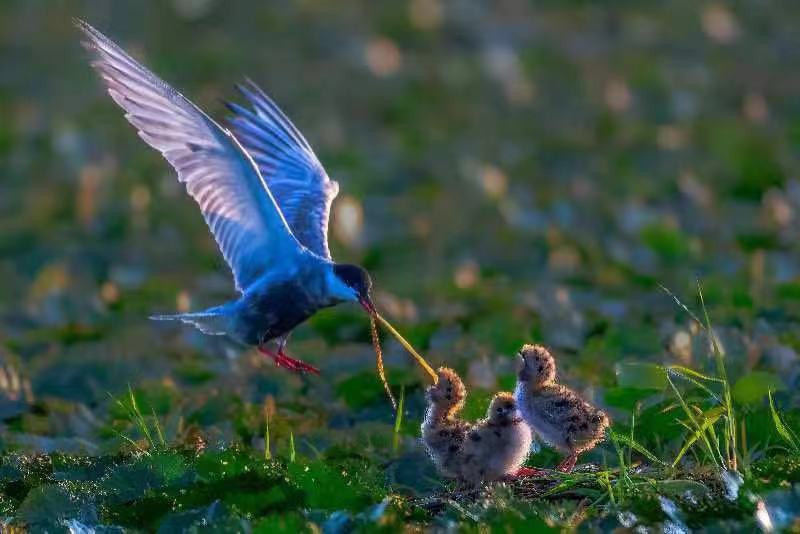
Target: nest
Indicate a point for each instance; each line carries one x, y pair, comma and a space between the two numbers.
530, 488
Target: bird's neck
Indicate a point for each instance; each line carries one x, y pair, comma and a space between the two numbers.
526, 388
331, 287
504, 421
443, 412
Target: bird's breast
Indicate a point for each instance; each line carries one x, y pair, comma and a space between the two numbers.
273, 310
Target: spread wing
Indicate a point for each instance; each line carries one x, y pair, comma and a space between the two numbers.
288, 164
218, 173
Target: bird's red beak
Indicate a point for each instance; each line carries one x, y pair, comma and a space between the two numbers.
367, 304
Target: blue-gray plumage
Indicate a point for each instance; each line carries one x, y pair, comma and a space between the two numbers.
262, 192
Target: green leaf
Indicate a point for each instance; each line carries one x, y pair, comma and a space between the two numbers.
214, 517
329, 487
785, 432
756, 385
46, 507
626, 398
139, 475
640, 375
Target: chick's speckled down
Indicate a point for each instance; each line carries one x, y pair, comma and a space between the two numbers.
496, 447
443, 432
555, 412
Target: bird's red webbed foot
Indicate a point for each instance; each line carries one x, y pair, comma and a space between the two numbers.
282, 360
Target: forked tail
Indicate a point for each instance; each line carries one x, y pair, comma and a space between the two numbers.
211, 322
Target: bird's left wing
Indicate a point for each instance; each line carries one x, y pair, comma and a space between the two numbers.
237, 205
288, 164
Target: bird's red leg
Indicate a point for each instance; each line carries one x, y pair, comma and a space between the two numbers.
525, 472
279, 361
297, 365
568, 464
282, 360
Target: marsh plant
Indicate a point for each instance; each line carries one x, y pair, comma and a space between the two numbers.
511, 172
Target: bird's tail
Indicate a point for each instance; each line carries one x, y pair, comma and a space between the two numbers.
212, 321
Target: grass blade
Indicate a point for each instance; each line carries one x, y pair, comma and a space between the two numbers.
681, 305
730, 441
138, 418
679, 372
398, 419
696, 434
267, 451
635, 445
783, 430
687, 372
157, 426
695, 426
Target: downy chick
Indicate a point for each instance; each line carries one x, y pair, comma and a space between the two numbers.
442, 431
555, 412
496, 447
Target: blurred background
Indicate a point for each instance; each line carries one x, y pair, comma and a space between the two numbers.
508, 174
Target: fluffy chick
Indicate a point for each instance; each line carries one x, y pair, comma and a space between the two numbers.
443, 432
496, 447
555, 412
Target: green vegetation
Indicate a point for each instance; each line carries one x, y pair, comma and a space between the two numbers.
561, 173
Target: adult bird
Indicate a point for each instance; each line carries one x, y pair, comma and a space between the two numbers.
262, 192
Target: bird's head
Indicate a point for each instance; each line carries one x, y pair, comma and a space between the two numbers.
353, 284
538, 365
448, 391
502, 408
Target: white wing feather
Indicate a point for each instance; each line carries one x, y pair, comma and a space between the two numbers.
285, 159
218, 173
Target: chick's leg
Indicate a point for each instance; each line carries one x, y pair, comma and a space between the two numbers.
568, 464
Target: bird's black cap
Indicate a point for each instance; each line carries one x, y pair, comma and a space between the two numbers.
357, 278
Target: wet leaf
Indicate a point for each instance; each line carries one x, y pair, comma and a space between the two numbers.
48, 507
214, 517
641, 376
755, 385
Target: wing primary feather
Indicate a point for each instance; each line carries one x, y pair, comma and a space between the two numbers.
299, 137
249, 124
295, 176
240, 210
267, 108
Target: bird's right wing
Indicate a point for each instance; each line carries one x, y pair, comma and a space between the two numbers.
295, 176
222, 178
